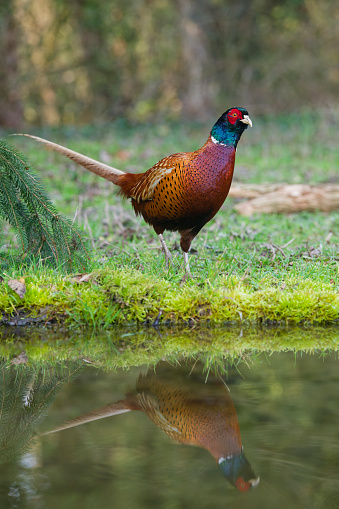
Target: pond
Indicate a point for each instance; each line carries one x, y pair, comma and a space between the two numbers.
262, 432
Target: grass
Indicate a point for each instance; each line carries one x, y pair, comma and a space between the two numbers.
242, 271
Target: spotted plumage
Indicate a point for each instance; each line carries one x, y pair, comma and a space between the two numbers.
183, 191
207, 420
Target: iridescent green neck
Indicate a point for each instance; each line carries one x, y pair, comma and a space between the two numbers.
226, 136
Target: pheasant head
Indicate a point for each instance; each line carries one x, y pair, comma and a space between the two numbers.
238, 471
230, 126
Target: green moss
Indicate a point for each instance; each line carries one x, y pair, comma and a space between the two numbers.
117, 296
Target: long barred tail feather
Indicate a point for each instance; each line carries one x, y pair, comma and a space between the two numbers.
103, 170
107, 411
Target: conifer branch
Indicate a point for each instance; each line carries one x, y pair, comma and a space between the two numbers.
26, 206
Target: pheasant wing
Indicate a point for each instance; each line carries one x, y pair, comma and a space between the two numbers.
143, 188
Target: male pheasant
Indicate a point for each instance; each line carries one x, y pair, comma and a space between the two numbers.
189, 411
183, 191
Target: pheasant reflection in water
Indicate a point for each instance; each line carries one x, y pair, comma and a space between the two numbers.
190, 412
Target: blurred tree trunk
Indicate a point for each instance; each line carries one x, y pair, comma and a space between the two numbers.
197, 94
88, 22
11, 111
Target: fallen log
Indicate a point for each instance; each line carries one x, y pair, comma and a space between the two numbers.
285, 198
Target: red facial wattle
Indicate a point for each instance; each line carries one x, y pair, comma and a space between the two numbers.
233, 116
242, 485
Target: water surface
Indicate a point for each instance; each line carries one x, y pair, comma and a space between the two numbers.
283, 410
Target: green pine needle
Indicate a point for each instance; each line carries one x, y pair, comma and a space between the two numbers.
26, 206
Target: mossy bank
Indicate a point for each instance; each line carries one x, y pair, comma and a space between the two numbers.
123, 296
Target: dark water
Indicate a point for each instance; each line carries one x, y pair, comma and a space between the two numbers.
285, 408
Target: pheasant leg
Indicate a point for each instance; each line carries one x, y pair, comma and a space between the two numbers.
187, 265
188, 273
168, 256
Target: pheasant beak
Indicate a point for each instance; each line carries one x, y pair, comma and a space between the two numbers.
246, 120
254, 482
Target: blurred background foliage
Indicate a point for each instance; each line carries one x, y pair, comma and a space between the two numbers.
90, 61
